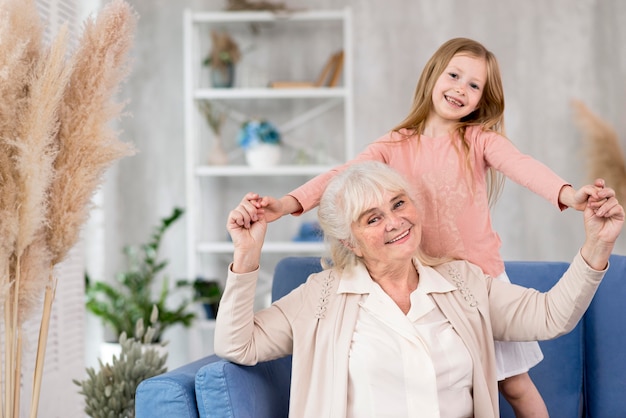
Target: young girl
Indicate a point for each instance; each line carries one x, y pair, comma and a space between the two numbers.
452, 146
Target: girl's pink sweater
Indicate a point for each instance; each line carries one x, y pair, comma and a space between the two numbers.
455, 210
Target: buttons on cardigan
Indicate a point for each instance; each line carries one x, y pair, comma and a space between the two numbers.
458, 281
320, 311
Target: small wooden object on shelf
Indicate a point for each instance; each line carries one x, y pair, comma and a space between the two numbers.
331, 71
291, 84
328, 77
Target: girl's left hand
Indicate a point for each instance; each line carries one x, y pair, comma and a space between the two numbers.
595, 196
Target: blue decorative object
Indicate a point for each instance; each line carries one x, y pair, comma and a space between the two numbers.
310, 232
256, 132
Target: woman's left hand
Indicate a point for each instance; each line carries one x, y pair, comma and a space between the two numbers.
604, 219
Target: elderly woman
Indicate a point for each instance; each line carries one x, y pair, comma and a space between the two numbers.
381, 300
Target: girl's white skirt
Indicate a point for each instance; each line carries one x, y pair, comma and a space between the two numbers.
512, 357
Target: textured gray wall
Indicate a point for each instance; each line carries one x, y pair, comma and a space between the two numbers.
549, 51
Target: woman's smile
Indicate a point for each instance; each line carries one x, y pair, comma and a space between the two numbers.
405, 234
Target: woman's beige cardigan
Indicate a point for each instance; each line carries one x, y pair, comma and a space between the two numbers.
315, 324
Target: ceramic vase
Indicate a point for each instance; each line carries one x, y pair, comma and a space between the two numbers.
263, 155
223, 77
217, 154
109, 349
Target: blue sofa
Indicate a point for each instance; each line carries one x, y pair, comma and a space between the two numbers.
583, 373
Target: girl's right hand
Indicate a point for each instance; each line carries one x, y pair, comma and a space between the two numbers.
272, 207
275, 209
254, 206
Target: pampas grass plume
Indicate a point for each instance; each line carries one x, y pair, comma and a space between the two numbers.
35, 145
19, 49
56, 142
87, 143
605, 157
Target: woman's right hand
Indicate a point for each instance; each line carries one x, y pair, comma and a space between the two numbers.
247, 226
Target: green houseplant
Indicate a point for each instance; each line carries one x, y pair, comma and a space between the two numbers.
122, 304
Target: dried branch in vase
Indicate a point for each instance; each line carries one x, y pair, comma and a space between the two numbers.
255, 5
224, 51
55, 145
214, 118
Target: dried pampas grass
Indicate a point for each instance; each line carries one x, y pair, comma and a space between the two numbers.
605, 157
56, 143
87, 143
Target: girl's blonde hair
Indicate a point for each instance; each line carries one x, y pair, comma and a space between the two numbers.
347, 196
489, 114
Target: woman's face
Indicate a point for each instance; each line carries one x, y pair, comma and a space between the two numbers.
459, 88
387, 232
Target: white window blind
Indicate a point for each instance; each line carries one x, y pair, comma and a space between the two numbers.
55, 13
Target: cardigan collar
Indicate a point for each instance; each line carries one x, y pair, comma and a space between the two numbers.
359, 281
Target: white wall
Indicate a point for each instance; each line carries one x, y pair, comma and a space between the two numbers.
549, 52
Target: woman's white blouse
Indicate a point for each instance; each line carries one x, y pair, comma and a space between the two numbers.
412, 365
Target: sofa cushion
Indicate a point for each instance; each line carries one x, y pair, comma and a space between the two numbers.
171, 394
227, 390
291, 272
605, 339
559, 376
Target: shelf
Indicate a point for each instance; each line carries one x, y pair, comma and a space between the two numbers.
269, 93
247, 171
287, 247
316, 124
203, 323
247, 17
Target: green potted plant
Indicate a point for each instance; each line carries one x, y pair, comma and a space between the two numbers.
133, 297
221, 59
208, 292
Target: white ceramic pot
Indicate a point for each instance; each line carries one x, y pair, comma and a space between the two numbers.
109, 350
263, 155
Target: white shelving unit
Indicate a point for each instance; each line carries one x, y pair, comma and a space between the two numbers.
316, 125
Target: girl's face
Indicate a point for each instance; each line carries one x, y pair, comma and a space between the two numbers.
387, 232
459, 88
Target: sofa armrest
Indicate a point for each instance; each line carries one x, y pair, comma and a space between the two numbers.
170, 394
559, 377
605, 339
225, 389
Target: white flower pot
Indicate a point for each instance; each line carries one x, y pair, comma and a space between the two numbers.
263, 155
108, 350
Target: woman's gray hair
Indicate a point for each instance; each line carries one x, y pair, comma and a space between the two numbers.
347, 195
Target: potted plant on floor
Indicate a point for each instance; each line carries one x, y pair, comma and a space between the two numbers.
110, 390
132, 298
207, 292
